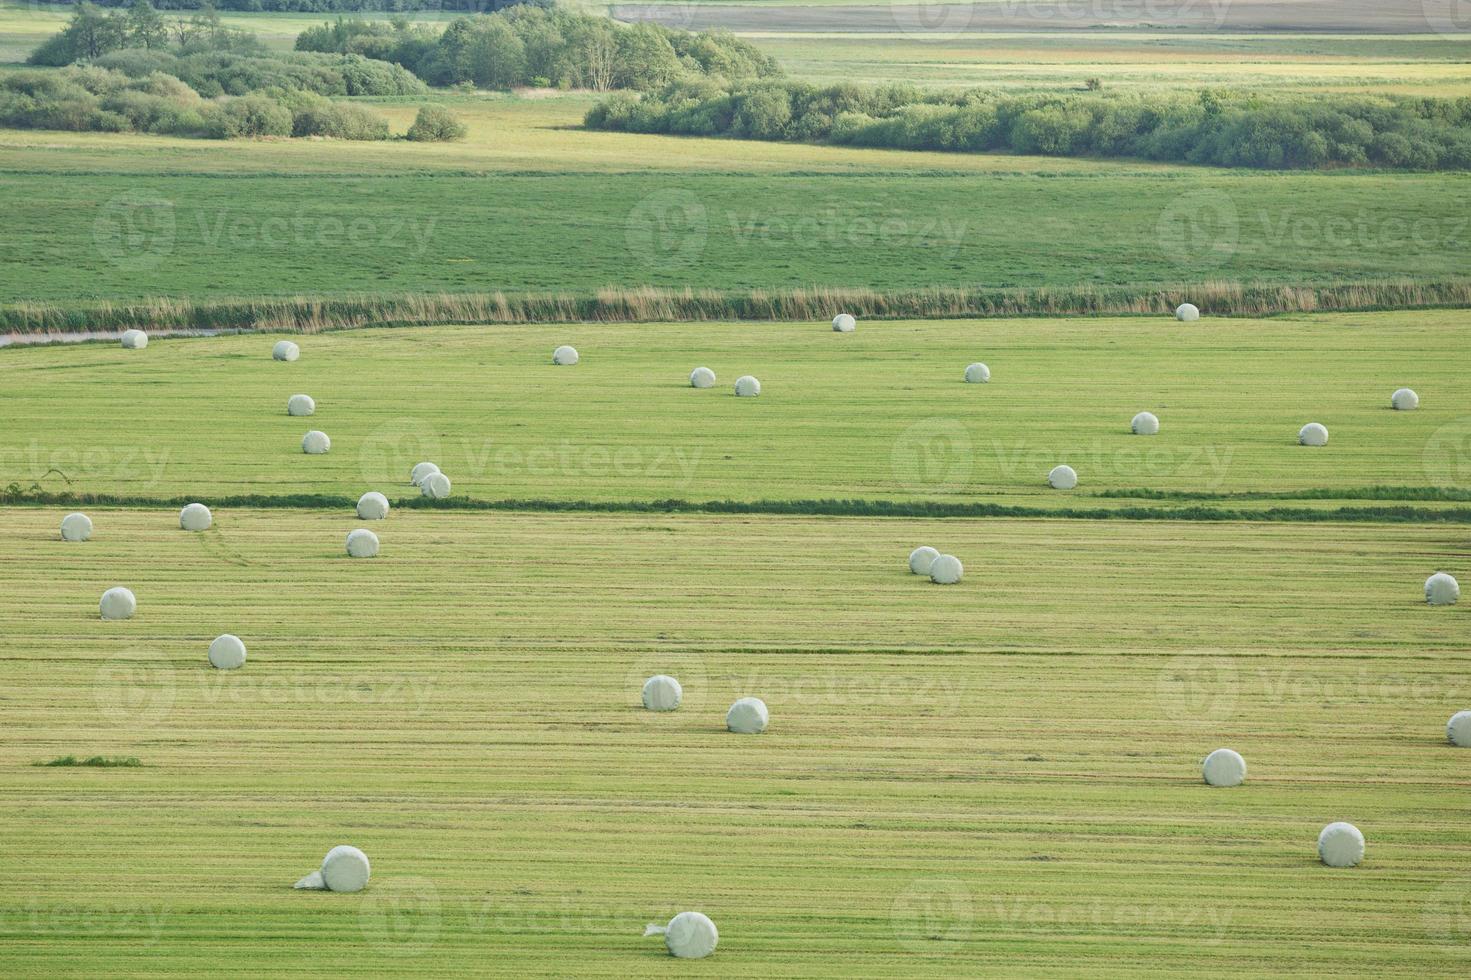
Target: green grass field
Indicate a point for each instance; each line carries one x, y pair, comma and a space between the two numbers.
1000, 777
878, 414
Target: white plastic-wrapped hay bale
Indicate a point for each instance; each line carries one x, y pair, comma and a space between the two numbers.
362, 543
76, 527
702, 377
344, 869
1144, 424
117, 603
564, 355
227, 652
134, 340
372, 506
315, 443
689, 935
1312, 434
436, 486
420, 471
285, 350
195, 517
843, 323
1224, 767
1340, 845
662, 693
1062, 477
301, 405
747, 386
946, 570
977, 374
1442, 590
1187, 313
1458, 729
748, 716
1404, 400
921, 558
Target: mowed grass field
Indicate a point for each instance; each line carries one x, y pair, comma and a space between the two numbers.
1000, 777
881, 413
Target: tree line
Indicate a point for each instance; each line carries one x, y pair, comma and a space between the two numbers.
1220, 128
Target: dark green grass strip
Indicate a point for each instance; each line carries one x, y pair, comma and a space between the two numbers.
825, 508
1321, 493
94, 762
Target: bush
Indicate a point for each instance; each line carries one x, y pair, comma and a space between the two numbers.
247, 116
436, 124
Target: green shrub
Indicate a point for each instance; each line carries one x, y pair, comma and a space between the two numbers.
436, 124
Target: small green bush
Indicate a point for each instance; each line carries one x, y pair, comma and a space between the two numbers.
436, 124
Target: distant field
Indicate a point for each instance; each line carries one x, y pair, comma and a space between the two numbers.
996, 778
881, 413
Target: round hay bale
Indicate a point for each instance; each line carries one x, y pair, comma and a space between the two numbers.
1404, 400
1224, 767
1458, 729
1062, 477
315, 443
662, 693
1144, 424
362, 543
748, 716
689, 935
420, 471
134, 340
1187, 313
117, 603
372, 506
843, 323
564, 355
301, 405
747, 386
920, 559
1340, 845
195, 517
1442, 590
1312, 434
702, 377
227, 652
436, 486
946, 570
285, 350
345, 869
76, 527
977, 374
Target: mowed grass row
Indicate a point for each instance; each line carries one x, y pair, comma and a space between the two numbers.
116, 236
996, 777
881, 413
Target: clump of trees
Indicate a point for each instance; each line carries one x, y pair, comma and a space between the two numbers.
436, 124
527, 44
1218, 128
93, 32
